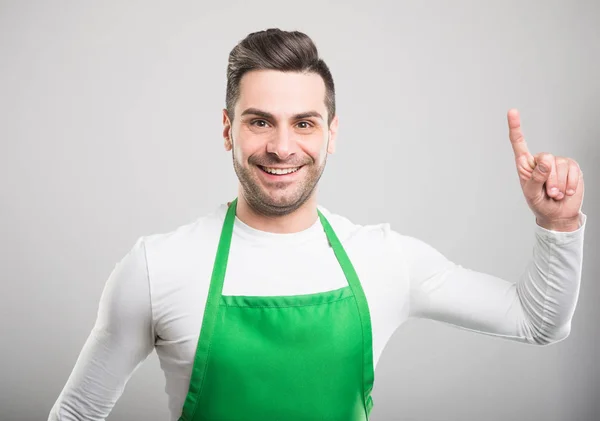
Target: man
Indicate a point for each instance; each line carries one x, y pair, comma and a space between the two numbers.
274, 308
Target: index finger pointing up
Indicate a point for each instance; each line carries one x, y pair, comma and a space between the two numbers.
517, 139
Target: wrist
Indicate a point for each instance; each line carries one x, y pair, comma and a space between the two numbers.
562, 225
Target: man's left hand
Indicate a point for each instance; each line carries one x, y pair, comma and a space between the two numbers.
552, 185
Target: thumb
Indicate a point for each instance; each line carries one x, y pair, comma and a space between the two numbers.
540, 175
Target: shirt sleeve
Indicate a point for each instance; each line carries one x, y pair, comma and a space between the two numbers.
121, 339
536, 308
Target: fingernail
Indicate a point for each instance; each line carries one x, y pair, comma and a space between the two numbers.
543, 168
560, 195
570, 191
553, 190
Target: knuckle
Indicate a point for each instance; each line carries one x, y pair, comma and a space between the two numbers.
547, 159
561, 159
538, 175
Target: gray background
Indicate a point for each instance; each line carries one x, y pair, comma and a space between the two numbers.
111, 129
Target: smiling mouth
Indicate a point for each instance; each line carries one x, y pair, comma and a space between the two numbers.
279, 171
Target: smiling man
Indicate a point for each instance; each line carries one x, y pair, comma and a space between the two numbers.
274, 308
286, 127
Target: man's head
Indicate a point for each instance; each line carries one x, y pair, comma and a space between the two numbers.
279, 117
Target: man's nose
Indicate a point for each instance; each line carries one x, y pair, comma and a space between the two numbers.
282, 143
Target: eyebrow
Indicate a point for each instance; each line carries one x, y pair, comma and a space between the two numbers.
264, 114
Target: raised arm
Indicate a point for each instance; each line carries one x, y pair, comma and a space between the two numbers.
537, 308
121, 339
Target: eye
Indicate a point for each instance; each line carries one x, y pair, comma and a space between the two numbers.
304, 125
259, 123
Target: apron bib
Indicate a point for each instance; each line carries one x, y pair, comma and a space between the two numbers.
272, 358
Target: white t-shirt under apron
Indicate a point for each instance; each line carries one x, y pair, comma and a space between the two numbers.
155, 296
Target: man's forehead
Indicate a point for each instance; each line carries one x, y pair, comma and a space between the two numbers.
282, 93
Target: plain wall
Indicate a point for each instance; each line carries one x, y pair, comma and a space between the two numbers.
111, 129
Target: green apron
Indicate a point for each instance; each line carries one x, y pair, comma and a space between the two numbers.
274, 358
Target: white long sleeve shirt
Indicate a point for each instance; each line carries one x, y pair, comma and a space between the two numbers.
155, 296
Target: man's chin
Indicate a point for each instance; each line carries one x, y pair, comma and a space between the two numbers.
276, 204
281, 202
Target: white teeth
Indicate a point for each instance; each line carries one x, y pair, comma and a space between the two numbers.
280, 171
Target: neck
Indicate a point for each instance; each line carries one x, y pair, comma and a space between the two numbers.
299, 220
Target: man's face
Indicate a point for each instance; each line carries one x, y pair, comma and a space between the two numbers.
279, 138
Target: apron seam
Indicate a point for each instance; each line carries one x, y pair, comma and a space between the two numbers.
362, 330
363, 320
202, 383
288, 306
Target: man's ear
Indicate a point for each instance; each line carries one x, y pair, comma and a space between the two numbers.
227, 131
333, 130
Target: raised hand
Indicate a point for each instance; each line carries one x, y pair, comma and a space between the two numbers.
552, 185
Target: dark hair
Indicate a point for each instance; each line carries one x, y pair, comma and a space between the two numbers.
274, 49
